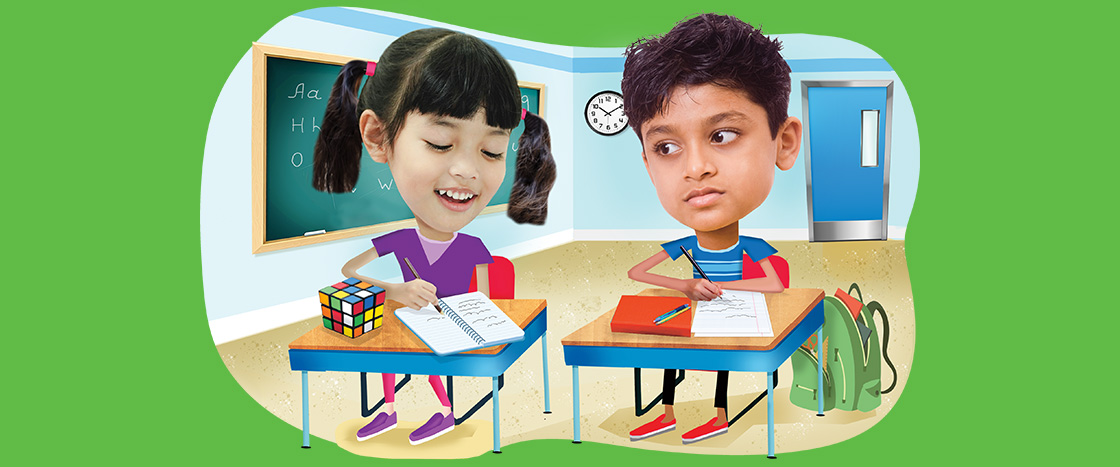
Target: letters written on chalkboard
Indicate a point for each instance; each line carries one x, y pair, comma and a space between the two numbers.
290, 92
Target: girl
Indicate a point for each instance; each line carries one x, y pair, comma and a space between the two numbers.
438, 108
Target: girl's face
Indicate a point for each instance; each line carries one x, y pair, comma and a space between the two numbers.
447, 169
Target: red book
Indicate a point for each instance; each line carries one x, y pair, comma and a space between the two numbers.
635, 314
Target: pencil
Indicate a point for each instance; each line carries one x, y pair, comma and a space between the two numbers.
694, 264
414, 274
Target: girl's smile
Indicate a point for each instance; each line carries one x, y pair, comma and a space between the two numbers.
457, 200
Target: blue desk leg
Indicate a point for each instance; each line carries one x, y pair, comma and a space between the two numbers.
575, 403
544, 358
770, 414
306, 416
497, 420
820, 372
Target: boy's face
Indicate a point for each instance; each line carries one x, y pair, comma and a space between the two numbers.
711, 157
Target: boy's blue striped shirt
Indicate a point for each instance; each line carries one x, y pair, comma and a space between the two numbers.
723, 265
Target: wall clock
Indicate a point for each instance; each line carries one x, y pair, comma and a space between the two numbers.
604, 113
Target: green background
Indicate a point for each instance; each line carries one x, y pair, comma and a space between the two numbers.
105, 110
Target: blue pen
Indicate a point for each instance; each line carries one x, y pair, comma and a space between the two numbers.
674, 315
674, 310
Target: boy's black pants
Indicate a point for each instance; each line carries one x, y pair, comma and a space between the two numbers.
668, 388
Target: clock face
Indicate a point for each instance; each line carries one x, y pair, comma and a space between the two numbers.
604, 113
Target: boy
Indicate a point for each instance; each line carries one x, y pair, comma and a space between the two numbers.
708, 101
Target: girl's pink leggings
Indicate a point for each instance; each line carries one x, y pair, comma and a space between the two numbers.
389, 381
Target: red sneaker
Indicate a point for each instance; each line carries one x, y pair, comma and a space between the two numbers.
653, 428
704, 431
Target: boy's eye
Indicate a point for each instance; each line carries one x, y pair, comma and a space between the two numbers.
724, 136
493, 155
665, 149
437, 147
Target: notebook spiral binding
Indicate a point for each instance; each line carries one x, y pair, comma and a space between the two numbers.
459, 322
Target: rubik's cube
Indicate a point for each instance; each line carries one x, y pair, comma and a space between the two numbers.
352, 307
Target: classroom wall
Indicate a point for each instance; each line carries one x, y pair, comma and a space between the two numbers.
612, 189
235, 280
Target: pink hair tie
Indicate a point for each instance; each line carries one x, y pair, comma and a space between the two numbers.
370, 67
523, 113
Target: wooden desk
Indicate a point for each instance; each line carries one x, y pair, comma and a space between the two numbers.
393, 336
794, 315
393, 348
787, 309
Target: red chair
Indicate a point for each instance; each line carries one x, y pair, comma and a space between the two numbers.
781, 266
502, 278
752, 270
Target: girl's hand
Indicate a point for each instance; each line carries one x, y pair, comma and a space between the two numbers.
413, 294
701, 289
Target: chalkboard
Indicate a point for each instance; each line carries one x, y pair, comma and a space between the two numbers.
290, 92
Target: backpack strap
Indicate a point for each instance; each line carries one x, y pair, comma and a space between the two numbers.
873, 307
856, 288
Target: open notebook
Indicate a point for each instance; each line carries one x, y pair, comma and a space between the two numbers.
736, 313
470, 321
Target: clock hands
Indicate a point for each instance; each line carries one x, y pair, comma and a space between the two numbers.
603, 121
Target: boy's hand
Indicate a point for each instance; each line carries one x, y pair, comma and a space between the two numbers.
702, 289
413, 294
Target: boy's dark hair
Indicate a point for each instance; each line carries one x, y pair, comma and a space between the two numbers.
708, 49
431, 71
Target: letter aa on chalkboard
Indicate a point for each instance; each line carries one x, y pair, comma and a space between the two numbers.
290, 92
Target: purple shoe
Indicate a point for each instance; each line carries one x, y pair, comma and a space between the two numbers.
381, 423
436, 426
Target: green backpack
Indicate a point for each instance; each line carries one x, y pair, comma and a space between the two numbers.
852, 366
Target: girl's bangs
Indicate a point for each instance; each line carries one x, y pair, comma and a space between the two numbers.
464, 75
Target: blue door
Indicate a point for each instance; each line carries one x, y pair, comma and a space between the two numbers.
847, 131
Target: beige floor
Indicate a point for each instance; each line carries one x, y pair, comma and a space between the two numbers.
581, 281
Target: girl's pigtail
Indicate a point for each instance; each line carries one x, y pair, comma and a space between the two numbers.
535, 174
338, 151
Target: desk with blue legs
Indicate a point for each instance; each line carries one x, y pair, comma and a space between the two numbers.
795, 315
392, 348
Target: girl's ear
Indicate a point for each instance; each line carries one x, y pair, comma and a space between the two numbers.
789, 143
373, 136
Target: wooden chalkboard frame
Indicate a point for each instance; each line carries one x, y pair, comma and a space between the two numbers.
261, 54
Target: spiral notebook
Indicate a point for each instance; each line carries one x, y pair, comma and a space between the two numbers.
469, 321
